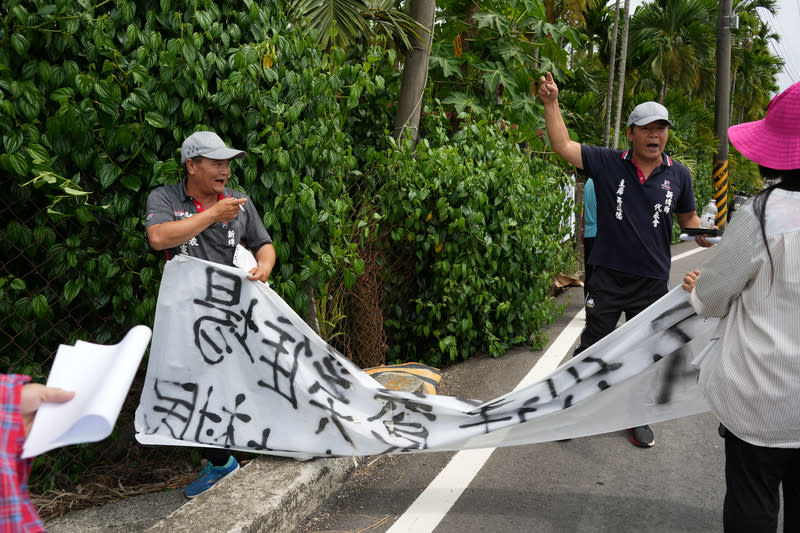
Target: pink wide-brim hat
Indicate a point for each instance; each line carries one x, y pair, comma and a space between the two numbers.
774, 141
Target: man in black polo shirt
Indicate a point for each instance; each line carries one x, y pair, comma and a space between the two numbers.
203, 218
637, 191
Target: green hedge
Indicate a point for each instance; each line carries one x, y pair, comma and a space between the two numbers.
94, 103
95, 100
481, 221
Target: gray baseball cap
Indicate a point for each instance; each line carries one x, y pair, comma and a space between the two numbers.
648, 112
208, 144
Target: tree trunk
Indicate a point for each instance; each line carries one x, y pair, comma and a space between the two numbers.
662, 93
470, 34
611, 67
550, 11
623, 58
473, 8
312, 319
415, 71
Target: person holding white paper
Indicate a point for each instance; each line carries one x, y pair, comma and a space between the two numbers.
19, 402
203, 218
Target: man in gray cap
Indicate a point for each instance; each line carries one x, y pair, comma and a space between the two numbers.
203, 218
637, 190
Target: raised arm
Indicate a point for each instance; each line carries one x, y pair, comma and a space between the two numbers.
557, 132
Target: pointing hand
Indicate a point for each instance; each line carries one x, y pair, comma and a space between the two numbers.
548, 90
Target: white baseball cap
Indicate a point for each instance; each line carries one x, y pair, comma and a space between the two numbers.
648, 112
208, 144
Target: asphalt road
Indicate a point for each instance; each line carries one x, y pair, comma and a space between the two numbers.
598, 483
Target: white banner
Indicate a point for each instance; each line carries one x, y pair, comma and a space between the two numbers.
231, 365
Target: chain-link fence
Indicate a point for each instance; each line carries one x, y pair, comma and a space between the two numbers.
31, 284
44, 263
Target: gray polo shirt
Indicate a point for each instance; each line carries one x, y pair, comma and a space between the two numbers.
218, 241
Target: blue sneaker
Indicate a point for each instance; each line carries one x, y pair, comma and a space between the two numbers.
209, 476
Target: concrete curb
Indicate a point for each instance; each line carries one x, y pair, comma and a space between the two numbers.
268, 494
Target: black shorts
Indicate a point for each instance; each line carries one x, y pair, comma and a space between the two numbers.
611, 293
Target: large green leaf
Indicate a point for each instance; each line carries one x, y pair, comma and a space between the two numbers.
157, 120
108, 173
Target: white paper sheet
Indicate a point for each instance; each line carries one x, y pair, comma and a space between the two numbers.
244, 258
100, 376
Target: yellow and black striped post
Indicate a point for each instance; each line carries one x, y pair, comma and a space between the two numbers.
720, 182
721, 110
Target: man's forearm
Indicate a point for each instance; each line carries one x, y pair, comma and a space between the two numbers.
556, 128
688, 220
265, 256
172, 234
558, 134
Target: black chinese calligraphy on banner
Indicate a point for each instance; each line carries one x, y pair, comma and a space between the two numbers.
232, 366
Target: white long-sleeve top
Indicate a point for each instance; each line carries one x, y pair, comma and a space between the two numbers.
752, 382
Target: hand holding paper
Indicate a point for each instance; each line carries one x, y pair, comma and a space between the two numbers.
34, 395
100, 377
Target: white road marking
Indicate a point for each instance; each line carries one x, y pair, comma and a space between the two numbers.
687, 254
435, 502
432, 505
550, 360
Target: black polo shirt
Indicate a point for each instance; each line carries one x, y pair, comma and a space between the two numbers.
218, 241
634, 219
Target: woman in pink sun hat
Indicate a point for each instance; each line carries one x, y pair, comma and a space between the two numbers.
751, 376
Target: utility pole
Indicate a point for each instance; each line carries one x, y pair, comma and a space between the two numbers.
721, 111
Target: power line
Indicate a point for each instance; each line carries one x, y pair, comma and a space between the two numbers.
777, 46
789, 69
